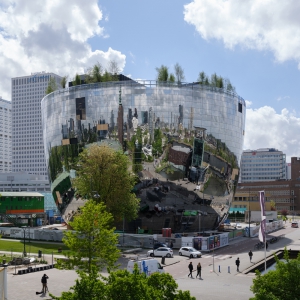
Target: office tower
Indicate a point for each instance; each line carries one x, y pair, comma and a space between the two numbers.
151, 125
263, 165
129, 118
5, 136
27, 135
144, 116
120, 120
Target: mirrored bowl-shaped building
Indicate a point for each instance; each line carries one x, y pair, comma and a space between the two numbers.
201, 128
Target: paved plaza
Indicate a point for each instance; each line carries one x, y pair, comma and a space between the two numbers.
226, 284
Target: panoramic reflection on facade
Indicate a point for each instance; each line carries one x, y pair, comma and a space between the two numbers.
192, 132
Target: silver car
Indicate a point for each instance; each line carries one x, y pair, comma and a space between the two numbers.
190, 252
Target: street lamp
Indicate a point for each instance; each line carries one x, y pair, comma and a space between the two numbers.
249, 213
24, 230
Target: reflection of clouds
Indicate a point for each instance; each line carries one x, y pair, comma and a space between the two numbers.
215, 111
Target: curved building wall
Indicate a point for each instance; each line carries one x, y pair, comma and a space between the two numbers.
68, 112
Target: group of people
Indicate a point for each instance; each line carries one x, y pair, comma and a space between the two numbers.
191, 268
199, 267
237, 262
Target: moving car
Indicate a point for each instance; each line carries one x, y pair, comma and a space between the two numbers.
190, 252
161, 251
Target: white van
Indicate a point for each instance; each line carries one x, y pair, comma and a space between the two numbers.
147, 266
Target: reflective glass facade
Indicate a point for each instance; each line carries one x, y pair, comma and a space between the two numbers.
67, 113
201, 129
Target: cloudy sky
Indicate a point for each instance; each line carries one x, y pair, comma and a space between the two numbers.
256, 44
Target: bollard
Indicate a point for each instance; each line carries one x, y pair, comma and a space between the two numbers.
228, 269
219, 269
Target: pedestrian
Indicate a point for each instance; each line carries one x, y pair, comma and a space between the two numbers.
199, 270
250, 255
191, 269
44, 283
171, 245
267, 245
237, 262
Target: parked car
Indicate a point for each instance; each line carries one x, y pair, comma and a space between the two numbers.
190, 252
161, 251
159, 244
295, 225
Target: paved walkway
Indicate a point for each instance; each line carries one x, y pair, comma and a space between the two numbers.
214, 286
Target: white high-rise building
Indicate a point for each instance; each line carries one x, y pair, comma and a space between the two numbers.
5, 136
27, 135
264, 164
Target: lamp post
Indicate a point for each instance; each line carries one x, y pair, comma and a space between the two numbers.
24, 251
249, 214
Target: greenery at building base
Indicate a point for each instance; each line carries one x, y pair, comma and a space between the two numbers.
123, 285
279, 284
92, 242
104, 171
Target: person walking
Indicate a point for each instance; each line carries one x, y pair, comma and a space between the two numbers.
237, 262
171, 245
44, 283
199, 270
191, 267
250, 255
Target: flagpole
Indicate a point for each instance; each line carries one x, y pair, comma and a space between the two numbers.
265, 250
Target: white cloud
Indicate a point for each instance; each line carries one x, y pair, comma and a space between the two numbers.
49, 36
263, 25
267, 129
281, 98
248, 103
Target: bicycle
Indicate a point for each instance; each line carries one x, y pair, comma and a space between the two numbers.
259, 245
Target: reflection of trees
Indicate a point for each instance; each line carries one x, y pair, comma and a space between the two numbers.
62, 156
218, 148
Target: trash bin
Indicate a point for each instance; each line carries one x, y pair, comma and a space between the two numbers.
163, 260
40, 253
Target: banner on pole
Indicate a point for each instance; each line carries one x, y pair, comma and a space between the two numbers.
262, 228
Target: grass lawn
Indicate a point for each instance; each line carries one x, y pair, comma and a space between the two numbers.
31, 248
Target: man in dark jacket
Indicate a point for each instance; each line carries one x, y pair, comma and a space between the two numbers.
191, 269
237, 262
250, 255
44, 283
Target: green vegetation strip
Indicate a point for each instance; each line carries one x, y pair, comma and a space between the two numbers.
31, 247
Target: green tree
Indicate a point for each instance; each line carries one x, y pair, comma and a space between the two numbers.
106, 171
107, 77
162, 73
157, 144
94, 74
179, 73
172, 78
122, 285
279, 284
63, 81
92, 242
52, 86
77, 80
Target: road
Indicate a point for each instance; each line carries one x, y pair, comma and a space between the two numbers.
224, 285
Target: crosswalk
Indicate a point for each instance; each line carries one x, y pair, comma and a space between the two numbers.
221, 257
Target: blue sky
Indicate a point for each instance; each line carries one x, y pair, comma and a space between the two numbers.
256, 44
